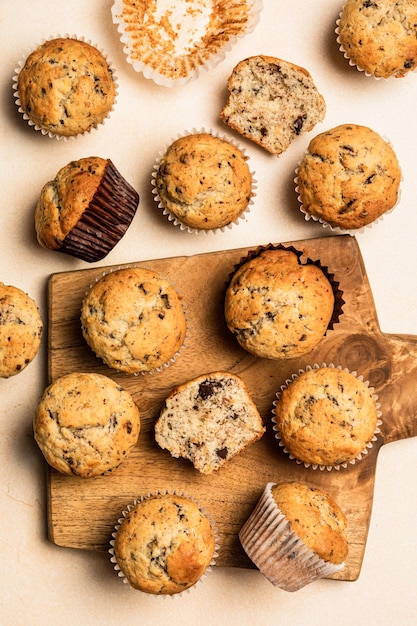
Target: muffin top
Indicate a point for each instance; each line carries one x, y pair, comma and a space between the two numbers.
66, 87
380, 37
164, 544
64, 199
349, 177
208, 420
315, 518
277, 307
133, 320
85, 424
20, 330
204, 181
272, 102
326, 416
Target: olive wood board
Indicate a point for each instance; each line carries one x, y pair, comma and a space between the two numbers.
82, 512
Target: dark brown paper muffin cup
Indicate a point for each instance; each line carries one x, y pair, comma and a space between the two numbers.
105, 221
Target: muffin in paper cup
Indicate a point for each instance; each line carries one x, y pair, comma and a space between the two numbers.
349, 179
202, 182
164, 544
326, 417
85, 210
134, 320
378, 40
296, 547
171, 42
65, 87
278, 306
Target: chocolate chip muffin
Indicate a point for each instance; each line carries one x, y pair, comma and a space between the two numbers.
85, 210
21, 330
66, 87
272, 102
164, 544
379, 37
203, 182
277, 307
132, 318
349, 177
326, 417
295, 535
86, 424
208, 420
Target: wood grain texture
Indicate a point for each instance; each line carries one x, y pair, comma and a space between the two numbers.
83, 512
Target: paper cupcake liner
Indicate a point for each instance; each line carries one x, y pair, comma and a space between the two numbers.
354, 64
105, 221
337, 292
173, 44
175, 356
338, 230
279, 554
173, 218
314, 466
126, 512
33, 124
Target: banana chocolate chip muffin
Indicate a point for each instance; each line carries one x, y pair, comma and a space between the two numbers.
295, 535
66, 87
133, 319
203, 182
272, 102
21, 330
208, 420
278, 307
379, 37
86, 424
349, 177
163, 544
326, 417
85, 210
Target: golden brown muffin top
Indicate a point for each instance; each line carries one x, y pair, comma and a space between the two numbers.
380, 37
64, 199
277, 307
349, 176
164, 544
315, 518
326, 416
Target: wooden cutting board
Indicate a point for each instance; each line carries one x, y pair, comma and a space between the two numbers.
83, 512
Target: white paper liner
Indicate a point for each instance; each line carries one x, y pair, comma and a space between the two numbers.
353, 63
338, 230
173, 218
279, 554
315, 466
182, 24
175, 356
26, 117
126, 512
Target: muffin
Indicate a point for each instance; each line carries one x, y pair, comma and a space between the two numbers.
272, 102
295, 535
85, 210
133, 320
65, 87
21, 330
208, 420
326, 417
379, 38
86, 424
278, 307
203, 182
163, 544
349, 177
172, 42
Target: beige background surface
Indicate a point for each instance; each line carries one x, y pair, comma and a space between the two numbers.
41, 583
